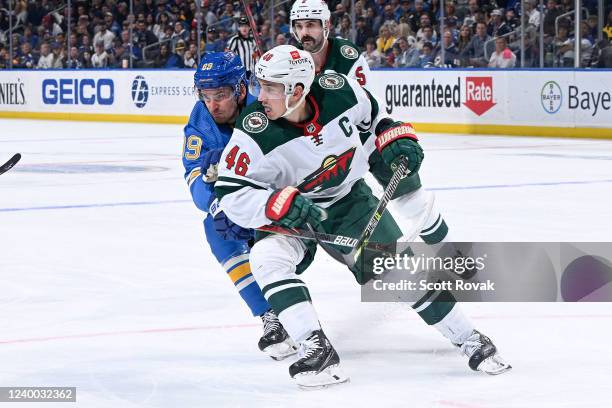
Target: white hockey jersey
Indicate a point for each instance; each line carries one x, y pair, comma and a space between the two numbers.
322, 157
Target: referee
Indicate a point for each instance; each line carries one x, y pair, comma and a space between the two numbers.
243, 44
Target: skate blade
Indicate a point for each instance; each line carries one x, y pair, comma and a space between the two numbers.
329, 377
494, 365
281, 351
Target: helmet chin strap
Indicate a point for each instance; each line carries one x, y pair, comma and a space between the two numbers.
298, 104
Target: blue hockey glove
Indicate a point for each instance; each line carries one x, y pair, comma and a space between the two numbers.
210, 164
397, 139
226, 228
229, 230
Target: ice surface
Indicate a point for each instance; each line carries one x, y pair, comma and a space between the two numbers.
107, 285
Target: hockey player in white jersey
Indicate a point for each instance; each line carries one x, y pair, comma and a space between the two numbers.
296, 155
220, 81
310, 25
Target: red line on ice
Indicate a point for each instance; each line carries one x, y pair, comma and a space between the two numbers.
118, 333
457, 404
245, 325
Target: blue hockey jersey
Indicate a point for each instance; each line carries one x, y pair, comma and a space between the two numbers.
201, 135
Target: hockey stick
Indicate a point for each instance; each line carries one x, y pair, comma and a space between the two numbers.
249, 13
350, 259
311, 235
357, 244
323, 238
10, 163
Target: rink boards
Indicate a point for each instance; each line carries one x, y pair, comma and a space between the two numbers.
558, 103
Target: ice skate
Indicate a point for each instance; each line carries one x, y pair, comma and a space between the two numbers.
483, 355
319, 365
275, 341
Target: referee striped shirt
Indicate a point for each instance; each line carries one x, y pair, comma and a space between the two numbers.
245, 48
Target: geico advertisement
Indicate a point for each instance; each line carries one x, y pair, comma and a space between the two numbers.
75, 91
121, 92
168, 93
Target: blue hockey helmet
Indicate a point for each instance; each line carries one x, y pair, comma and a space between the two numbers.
220, 69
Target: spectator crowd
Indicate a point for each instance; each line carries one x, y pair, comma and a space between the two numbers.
389, 33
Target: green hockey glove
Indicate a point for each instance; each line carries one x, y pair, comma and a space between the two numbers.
290, 209
396, 139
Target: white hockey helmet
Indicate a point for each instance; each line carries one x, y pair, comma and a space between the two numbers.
285, 65
310, 10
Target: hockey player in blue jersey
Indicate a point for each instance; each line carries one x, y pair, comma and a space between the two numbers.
221, 86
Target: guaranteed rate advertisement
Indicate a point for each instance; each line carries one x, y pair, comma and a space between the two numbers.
488, 97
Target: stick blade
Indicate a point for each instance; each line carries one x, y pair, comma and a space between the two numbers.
9, 164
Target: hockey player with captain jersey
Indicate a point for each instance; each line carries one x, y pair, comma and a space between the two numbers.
296, 158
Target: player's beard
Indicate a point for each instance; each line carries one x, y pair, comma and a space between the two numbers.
313, 46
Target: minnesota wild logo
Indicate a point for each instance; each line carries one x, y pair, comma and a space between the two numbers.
349, 52
255, 122
332, 172
331, 81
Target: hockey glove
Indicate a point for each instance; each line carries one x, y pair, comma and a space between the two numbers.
210, 164
290, 209
397, 139
226, 228
229, 230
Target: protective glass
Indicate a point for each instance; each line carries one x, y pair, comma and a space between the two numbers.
216, 95
268, 90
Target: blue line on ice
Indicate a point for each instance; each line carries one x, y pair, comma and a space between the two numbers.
65, 207
543, 183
